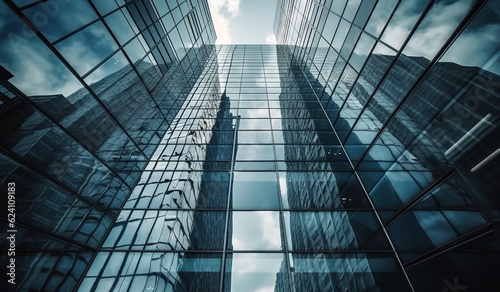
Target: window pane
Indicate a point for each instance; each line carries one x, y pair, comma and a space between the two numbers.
55, 19
88, 47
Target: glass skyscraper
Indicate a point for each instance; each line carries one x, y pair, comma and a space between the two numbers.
361, 153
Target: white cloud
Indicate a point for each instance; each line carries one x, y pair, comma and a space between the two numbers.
431, 33
222, 12
256, 230
270, 223
255, 272
434, 32
476, 47
271, 39
75, 51
35, 74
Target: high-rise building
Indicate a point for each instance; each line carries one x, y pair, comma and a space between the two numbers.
358, 154
414, 104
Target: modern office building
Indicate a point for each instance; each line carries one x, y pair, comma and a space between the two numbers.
361, 153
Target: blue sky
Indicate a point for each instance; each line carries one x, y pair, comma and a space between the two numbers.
243, 21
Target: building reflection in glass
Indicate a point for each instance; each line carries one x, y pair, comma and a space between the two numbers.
76, 153
359, 154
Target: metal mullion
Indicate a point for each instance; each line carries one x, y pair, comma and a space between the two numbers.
313, 28
208, 18
212, 251
52, 268
283, 233
317, 17
178, 209
101, 271
357, 77
368, 18
386, 24
288, 253
84, 217
364, 190
136, 36
26, 99
54, 236
73, 32
229, 193
5, 99
128, 253
463, 24
341, 15
425, 129
330, 210
121, 48
32, 4
343, 70
453, 244
386, 73
330, 44
24, 163
153, 27
66, 251
345, 251
446, 173
73, 71
196, 21
43, 1
425, 191
326, 56
157, 12
185, 251
85, 75
189, 27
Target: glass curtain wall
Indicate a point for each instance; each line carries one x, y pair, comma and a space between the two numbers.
412, 90
359, 154
250, 182
87, 91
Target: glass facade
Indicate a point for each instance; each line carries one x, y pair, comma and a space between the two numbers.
88, 92
411, 89
359, 154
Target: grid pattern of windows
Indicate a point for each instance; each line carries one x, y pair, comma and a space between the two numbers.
358, 155
249, 181
88, 90
416, 111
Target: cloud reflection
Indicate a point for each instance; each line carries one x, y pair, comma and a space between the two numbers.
474, 47
254, 272
256, 230
36, 70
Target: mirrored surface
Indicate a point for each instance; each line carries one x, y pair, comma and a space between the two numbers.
87, 47
352, 157
255, 230
255, 190
254, 272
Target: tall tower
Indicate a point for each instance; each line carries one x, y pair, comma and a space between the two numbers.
358, 154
